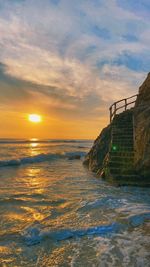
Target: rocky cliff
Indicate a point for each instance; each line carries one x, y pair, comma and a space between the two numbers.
96, 158
142, 129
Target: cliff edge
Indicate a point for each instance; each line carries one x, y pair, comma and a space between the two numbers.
142, 129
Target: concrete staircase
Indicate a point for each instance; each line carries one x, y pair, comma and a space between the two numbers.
121, 153
118, 165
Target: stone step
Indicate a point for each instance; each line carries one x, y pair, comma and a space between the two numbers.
122, 142
129, 180
122, 132
125, 119
127, 176
119, 144
123, 129
119, 137
130, 120
122, 154
122, 159
122, 135
122, 146
121, 171
123, 124
121, 164
117, 120
122, 149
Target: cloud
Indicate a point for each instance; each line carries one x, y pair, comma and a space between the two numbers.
72, 55
141, 8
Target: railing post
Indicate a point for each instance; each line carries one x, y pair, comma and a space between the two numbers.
114, 109
126, 104
110, 114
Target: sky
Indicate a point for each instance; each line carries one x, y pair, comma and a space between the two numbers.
69, 61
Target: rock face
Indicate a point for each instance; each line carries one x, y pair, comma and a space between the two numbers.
142, 129
96, 157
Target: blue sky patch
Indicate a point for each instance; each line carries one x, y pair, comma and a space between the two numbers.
130, 38
133, 62
136, 6
55, 2
101, 32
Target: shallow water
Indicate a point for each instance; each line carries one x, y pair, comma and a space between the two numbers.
55, 213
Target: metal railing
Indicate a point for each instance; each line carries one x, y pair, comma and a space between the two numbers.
124, 105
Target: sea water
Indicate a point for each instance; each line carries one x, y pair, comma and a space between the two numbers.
54, 212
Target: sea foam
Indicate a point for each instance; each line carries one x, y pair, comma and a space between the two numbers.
34, 235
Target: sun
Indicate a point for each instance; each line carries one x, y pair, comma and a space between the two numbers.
35, 118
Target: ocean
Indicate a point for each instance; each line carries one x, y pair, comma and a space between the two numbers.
54, 212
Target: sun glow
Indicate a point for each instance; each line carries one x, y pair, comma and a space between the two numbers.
34, 118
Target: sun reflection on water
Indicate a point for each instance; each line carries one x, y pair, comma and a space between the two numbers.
35, 180
34, 213
33, 145
34, 174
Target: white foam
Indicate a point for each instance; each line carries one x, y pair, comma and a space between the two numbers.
41, 158
34, 235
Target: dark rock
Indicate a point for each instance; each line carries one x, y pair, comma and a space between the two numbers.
142, 129
74, 157
94, 159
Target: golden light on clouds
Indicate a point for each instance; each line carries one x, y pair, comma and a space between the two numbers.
35, 118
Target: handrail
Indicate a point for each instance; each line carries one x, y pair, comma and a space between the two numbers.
114, 107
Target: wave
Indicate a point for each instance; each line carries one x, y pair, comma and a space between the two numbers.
41, 158
28, 201
33, 235
138, 219
24, 141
